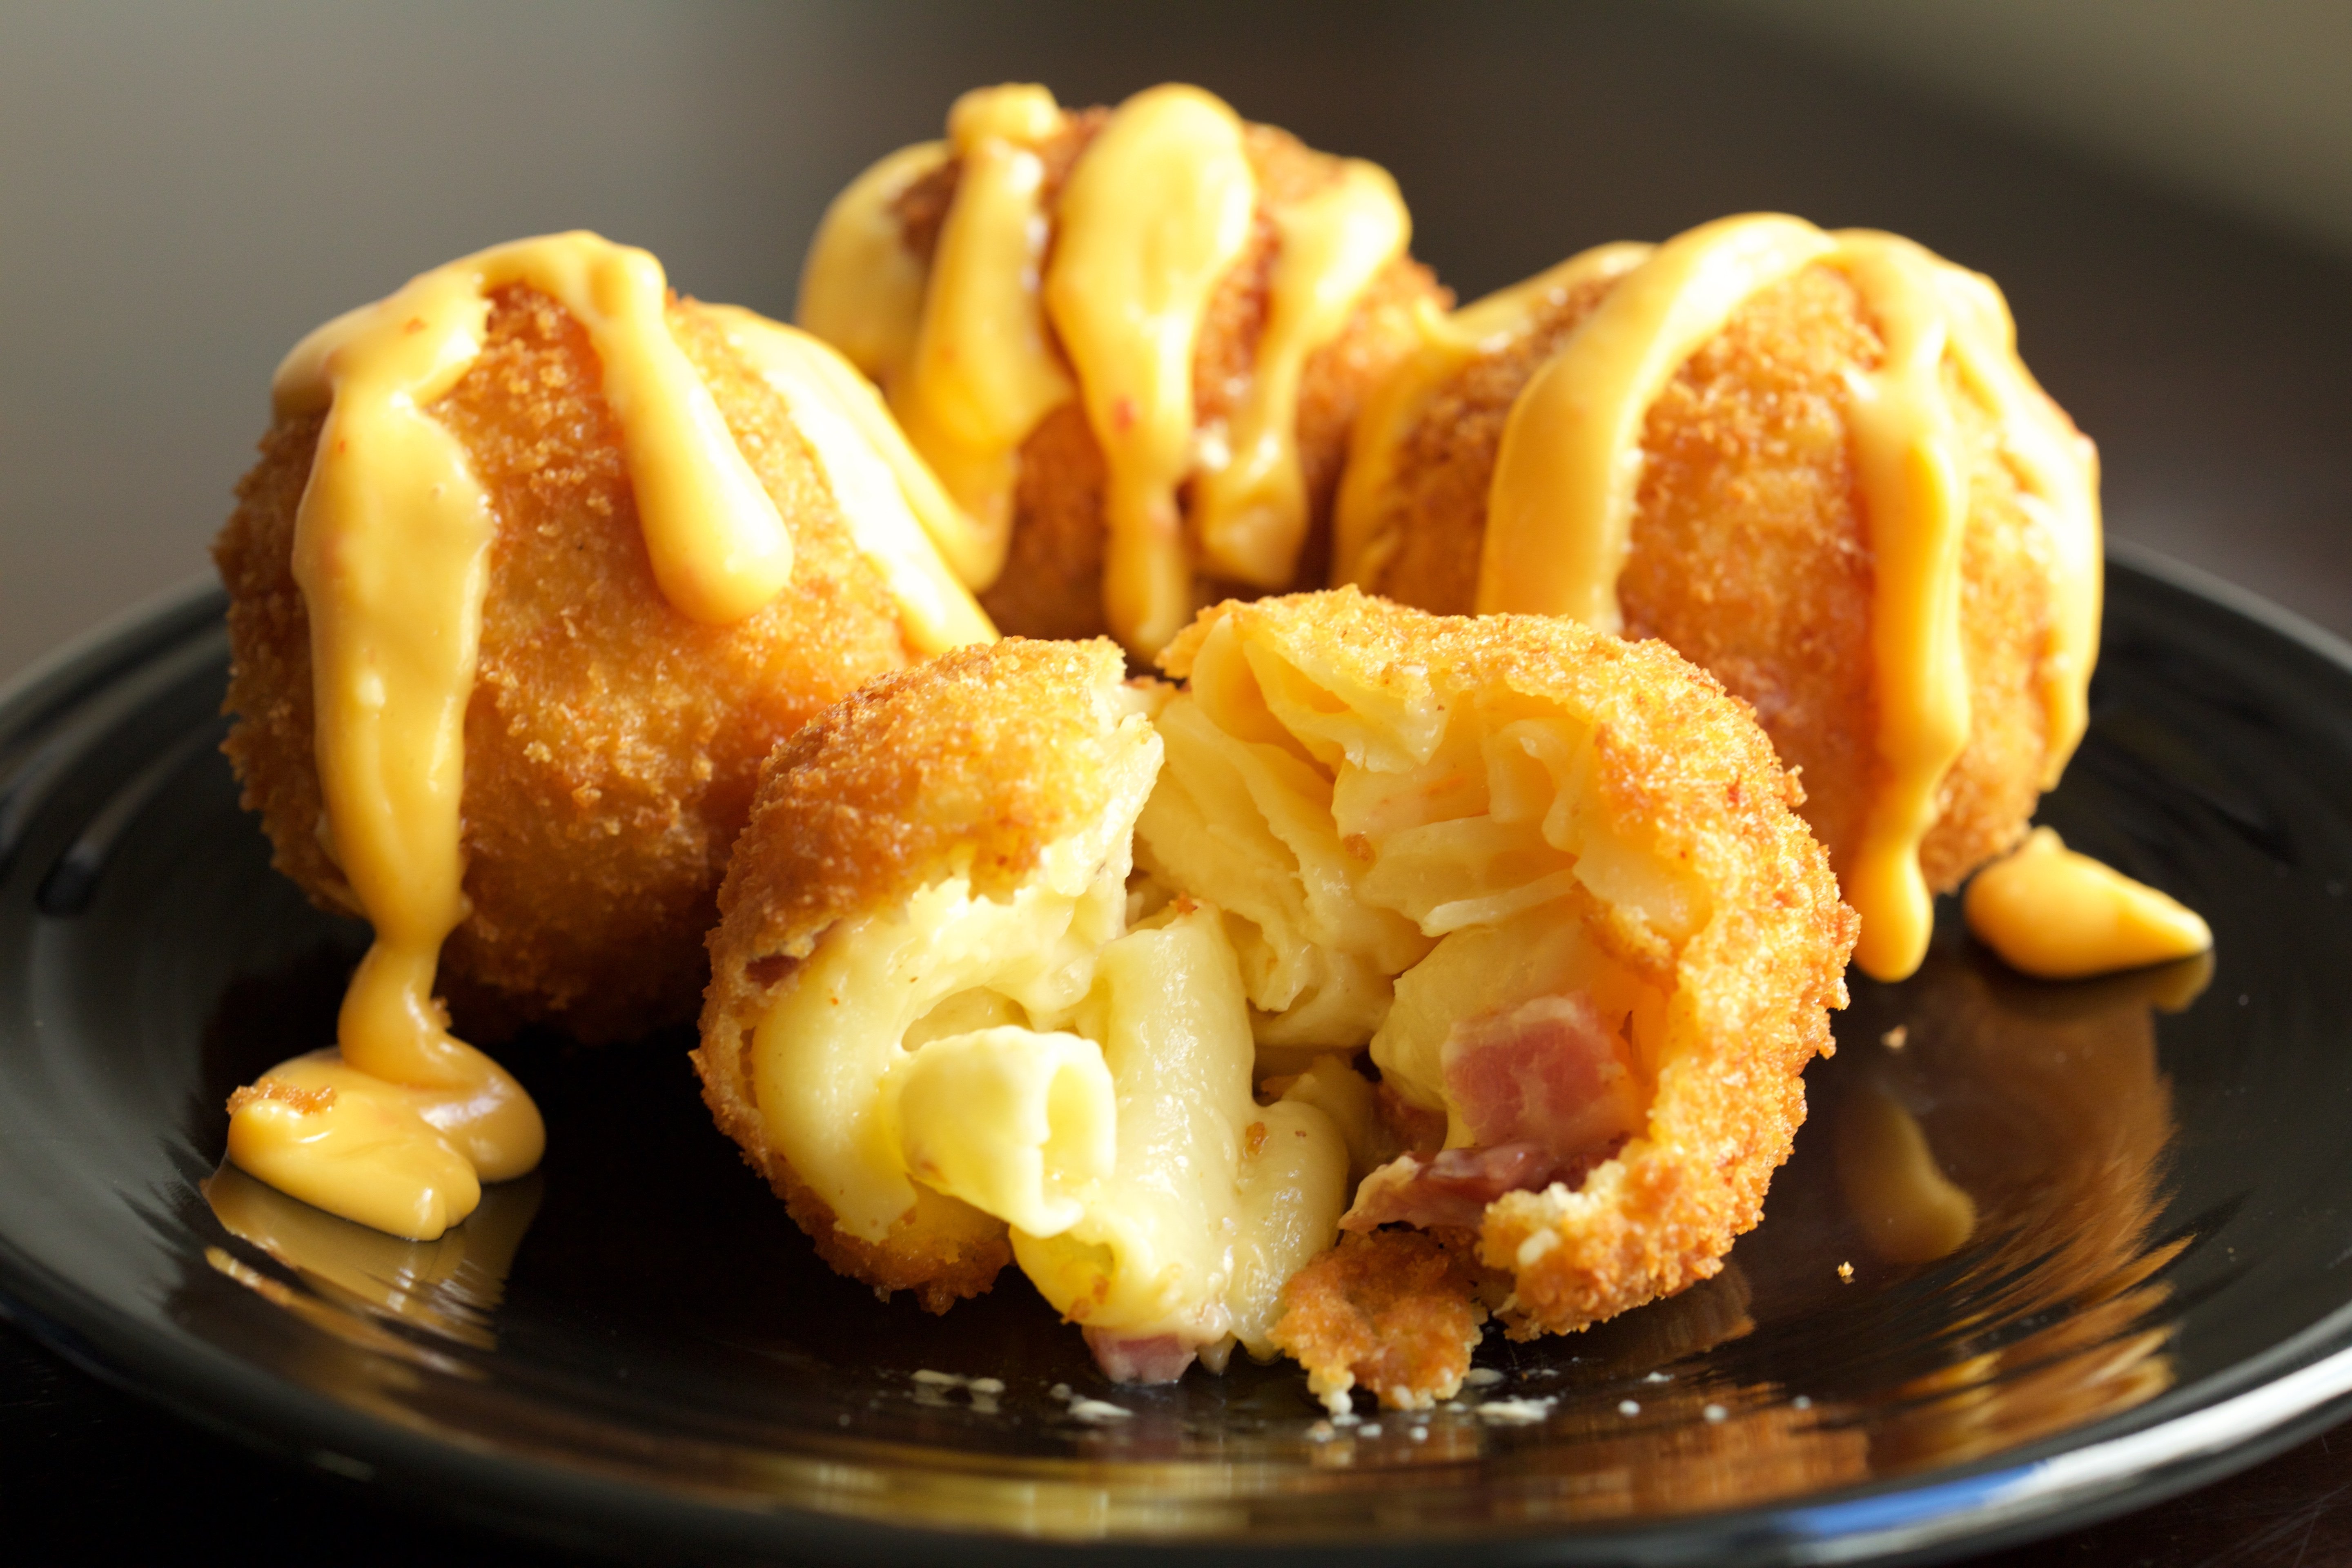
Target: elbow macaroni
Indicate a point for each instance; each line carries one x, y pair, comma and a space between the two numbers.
1334, 868
1089, 1089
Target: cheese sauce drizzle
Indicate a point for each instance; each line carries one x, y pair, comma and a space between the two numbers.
2054, 913
398, 1128
1152, 215
1561, 506
1101, 298
900, 515
1251, 509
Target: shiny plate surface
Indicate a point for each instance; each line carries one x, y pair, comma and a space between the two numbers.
635, 1346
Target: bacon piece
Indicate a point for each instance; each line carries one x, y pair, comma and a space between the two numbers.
1139, 1358
1549, 1072
1544, 1095
1453, 1187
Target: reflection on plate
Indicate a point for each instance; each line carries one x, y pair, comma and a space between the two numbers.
2043, 1249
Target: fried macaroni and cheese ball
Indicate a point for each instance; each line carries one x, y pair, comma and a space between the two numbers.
609, 738
1813, 464
1502, 929
1131, 341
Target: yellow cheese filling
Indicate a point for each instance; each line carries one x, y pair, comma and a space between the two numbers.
1326, 869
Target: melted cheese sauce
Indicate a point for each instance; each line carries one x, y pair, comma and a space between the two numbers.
1561, 506
1102, 299
1154, 212
900, 517
399, 1127
1909, 1211
1251, 512
2054, 913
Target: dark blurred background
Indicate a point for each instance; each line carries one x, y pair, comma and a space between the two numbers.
2164, 187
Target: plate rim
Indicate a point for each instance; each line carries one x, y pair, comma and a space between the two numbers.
2225, 1422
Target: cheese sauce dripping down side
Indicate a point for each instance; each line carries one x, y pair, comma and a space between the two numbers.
1250, 510
1561, 506
1154, 212
391, 545
975, 351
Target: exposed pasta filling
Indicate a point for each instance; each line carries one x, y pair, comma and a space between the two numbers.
1319, 922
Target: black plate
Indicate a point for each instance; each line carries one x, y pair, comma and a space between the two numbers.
635, 1347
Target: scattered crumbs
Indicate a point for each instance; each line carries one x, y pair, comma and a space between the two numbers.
1061, 1390
983, 1390
1097, 1412
1346, 1418
1418, 1433
1845, 1272
1894, 1038
1802, 1402
1714, 1412
1481, 1377
1321, 1432
1370, 1430
841, 1419
1659, 1377
1629, 1407
1515, 1412
2244, 1000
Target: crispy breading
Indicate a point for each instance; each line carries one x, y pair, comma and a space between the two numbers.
1394, 1311
612, 742
1681, 764
1052, 582
971, 764
976, 764
1749, 553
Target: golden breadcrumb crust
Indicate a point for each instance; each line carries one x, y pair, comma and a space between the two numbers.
1679, 765
1394, 1310
612, 742
1749, 552
980, 760
1051, 582
971, 764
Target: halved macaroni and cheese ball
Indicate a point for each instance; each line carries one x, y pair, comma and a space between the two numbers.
610, 741
1502, 929
1131, 341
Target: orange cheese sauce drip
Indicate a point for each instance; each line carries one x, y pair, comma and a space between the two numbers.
398, 1128
1249, 509
1447, 344
1560, 508
984, 371
900, 516
1101, 298
2054, 913
1152, 215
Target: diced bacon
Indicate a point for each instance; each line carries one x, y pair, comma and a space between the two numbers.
1545, 1094
1139, 1358
1455, 1187
1549, 1072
